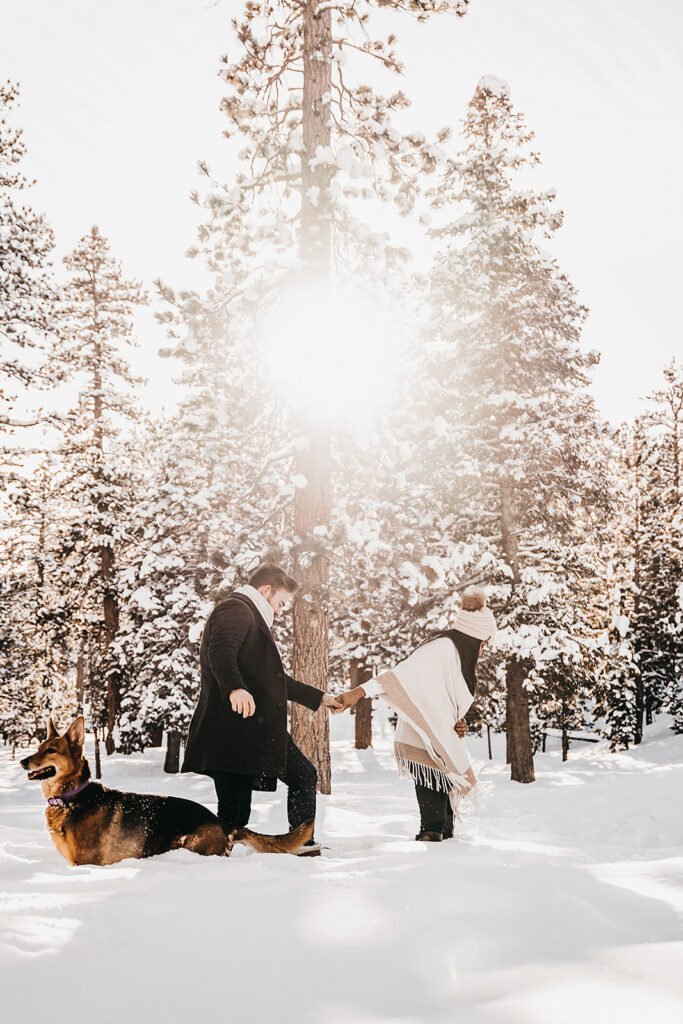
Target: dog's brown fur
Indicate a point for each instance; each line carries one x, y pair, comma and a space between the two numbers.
103, 826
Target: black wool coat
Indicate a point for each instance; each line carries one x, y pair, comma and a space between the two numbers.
238, 651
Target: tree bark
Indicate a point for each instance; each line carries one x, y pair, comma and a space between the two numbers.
360, 673
317, 87
518, 728
111, 624
565, 733
311, 732
80, 682
521, 756
172, 762
508, 527
156, 734
488, 740
98, 759
639, 709
312, 502
110, 610
640, 683
565, 744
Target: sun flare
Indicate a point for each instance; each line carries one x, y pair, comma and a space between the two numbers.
334, 352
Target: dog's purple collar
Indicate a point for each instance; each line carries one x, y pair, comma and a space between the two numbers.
62, 801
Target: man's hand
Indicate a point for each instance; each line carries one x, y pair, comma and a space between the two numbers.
329, 701
461, 727
243, 703
349, 699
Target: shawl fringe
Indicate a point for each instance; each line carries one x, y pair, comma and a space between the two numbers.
432, 778
462, 803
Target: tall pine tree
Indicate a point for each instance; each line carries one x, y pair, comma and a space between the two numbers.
508, 380
661, 591
97, 320
27, 290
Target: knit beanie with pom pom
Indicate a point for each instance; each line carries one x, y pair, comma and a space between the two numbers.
474, 618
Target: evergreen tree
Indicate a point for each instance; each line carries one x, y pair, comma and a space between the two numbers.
519, 450
616, 689
36, 677
159, 633
646, 569
27, 292
661, 590
96, 324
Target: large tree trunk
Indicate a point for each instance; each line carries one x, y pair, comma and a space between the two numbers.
521, 756
317, 86
518, 728
360, 673
311, 732
172, 762
312, 502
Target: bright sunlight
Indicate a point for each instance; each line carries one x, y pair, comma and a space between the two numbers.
334, 353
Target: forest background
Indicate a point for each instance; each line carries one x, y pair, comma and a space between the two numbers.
375, 369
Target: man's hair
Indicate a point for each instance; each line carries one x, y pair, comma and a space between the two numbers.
273, 575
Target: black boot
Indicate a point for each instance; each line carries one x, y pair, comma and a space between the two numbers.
428, 836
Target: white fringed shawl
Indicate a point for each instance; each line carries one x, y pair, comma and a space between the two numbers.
429, 694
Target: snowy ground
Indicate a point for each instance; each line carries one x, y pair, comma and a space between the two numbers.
559, 901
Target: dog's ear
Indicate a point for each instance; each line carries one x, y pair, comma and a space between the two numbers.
76, 732
51, 731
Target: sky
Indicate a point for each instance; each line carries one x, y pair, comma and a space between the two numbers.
119, 102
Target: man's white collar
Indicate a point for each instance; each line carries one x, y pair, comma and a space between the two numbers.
259, 600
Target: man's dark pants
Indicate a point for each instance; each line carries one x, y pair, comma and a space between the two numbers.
300, 777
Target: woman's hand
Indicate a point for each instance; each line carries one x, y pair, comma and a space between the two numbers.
329, 701
349, 699
461, 727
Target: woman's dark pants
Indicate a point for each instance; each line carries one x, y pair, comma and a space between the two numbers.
234, 791
436, 814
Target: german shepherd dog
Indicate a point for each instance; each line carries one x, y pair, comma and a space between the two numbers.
90, 824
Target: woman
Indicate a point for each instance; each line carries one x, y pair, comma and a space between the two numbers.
431, 692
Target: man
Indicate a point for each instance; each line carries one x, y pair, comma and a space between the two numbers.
238, 734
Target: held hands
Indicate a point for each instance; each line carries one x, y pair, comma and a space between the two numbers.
348, 699
243, 703
461, 727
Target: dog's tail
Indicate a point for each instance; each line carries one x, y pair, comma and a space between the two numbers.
290, 842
